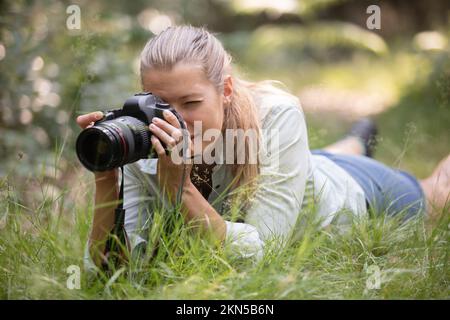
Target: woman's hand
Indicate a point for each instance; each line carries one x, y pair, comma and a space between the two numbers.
170, 169
86, 121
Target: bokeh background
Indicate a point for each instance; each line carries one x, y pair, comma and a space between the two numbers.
321, 50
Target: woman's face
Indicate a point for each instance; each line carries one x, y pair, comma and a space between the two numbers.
187, 89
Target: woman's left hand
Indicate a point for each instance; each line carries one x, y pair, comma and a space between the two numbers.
170, 166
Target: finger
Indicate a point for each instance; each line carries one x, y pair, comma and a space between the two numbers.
178, 135
167, 127
160, 151
88, 118
85, 119
162, 135
171, 118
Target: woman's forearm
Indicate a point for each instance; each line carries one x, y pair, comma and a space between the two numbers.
106, 196
196, 209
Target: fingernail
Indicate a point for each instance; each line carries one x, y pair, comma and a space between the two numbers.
166, 113
156, 120
152, 126
98, 115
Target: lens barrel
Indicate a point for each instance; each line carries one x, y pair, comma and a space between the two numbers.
113, 143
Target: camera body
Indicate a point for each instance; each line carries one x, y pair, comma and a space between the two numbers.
122, 136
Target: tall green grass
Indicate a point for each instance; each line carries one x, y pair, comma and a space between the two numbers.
38, 244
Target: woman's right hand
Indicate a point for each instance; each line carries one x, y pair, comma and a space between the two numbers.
86, 121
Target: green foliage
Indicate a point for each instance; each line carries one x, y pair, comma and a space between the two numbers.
42, 89
322, 42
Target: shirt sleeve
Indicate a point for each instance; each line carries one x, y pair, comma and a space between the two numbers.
139, 194
284, 167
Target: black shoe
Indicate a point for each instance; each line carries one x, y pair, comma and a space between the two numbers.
365, 130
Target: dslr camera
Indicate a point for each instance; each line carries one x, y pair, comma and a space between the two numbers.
122, 136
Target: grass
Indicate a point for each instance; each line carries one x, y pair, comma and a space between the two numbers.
39, 244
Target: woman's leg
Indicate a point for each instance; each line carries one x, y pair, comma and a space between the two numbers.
437, 189
361, 139
388, 190
348, 145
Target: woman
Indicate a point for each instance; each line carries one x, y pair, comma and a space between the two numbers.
188, 68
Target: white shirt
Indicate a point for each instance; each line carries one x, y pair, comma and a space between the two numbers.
274, 212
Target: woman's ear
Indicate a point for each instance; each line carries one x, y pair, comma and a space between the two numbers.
227, 90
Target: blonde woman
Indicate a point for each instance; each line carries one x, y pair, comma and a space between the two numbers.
189, 68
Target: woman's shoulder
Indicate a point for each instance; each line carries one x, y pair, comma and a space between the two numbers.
273, 104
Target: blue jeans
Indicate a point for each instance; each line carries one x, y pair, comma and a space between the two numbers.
386, 189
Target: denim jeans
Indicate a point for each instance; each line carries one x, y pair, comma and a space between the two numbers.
386, 189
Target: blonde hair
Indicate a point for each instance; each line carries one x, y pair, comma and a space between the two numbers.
197, 45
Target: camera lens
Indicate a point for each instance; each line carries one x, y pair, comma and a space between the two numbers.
113, 143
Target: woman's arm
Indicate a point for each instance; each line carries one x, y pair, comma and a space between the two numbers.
106, 197
195, 208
